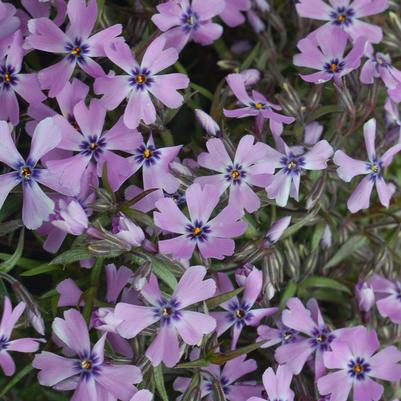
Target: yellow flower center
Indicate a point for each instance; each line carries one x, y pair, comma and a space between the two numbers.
140, 79
291, 165
76, 51
93, 146
334, 67
259, 106
375, 168
7, 77
287, 336
240, 313
358, 369
26, 172
86, 364
167, 311
147, 153
341, 18
197, 231
190, 20
235, 174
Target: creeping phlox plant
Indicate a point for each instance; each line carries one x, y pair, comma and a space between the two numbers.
200, 200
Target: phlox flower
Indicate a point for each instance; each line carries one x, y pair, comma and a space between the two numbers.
277, 385
142, 395
240, 312
280, 335
86, 371
37, 206
155, 165
292, 161
373, 170
185, 20
317, 337
207, 122
9, 22
126, 230
76, 45
250, 167
379, 65
93, 145
228, 377
255, 105
346, 15
8, 321
392, 120
211, 236
388, 297
325, 53
13, 82
357, 363
232, 13
141, 81
365, 295
171, 314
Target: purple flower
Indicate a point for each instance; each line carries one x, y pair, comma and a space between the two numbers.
345, 14
9, 22
212, 237
256, 106
141, 81
240, 312
378, 65
357, 365
12, 82
77, 46
232, 13
126, 230
388, 297
183, 20
373, 169
8, 321
227, 378
88, 373
365, 296
277, 230
325, 53
281, 335
317, 340
142, 395
93, 146
189, 325
393, 120
250, 167
291, 163
37, 206
69, 294
277, 385
207, 122
155, 164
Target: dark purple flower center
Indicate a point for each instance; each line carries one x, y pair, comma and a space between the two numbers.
223, 383
197, 231
148, 155
8, 76
239, 313
292, 164
335, 66
3, 343
321, 338
141, 78
342, 16
93, 146
382, 60
26, 172
178, 197
189, 21
167, 311
375, 169
288, 335
358, 368
77, 50
88, 365
235, 174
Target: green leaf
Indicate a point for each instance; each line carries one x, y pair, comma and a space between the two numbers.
138, 217
219, 299
71, 256
193, 384
352, 244
106, 183
324, 282
288, 293
299, 224
139, 197
220, 358
323, 111
159, 381
16, 379
13, 260
203, 91
317, 236
163, 273
198, 363
45, 268
251, 57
